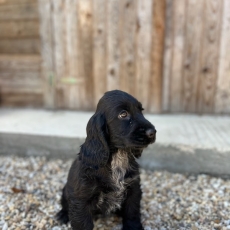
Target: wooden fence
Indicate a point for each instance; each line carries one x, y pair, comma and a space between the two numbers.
173, 55
20, 60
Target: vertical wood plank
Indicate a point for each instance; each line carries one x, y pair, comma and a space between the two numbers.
168, 45
113, 45
192, 47
222, 98
73, 90
179, 20
58, 21
99, 49
128, 44
155, 86
143, 52
209, 56
46, 31
85, 33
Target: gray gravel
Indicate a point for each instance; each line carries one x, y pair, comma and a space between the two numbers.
30, 191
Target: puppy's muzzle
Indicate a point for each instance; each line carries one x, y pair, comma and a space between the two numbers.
151, 134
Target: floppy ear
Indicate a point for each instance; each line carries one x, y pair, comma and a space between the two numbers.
95, 151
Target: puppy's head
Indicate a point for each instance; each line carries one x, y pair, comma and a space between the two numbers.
126, 124
118, 122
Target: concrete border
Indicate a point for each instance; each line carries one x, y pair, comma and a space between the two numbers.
155, 157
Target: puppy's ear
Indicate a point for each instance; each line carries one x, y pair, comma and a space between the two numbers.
95, 151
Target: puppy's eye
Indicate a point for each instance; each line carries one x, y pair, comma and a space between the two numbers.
123, 114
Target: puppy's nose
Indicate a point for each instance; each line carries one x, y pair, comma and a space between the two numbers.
151, 132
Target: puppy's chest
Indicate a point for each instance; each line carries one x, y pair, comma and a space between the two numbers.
110, 201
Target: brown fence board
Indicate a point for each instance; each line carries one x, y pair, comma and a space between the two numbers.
99, 49
16, 2
20, 46
58, 20
19, 11
73, 91
85, 47
179, 20
127, 45
113, 51
20, 62
209, 55
19, 29
143, 50
167, 56
192, 47
222, 99
20, 77
158, 27
21, 99
47, 49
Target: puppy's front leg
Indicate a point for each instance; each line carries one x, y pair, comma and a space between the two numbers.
80, 216
131, 208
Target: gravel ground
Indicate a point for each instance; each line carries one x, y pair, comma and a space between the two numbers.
30, 191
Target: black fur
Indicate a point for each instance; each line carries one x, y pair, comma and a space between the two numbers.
105, 176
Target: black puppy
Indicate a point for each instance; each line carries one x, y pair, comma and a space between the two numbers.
105, 176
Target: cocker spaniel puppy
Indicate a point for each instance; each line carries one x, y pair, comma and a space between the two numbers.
105, 176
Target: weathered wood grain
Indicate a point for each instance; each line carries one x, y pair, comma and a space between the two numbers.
113, 45
128, 45
58, 22
16, 2
20, 62
155, 86
19, 29
222, 97
21, 88
21, 99
19, 11
85, 47
20, 77
143, 51
75, 90
47, 52
192, 47
167, 57
20, 46
178, 36
99, 49
209, 56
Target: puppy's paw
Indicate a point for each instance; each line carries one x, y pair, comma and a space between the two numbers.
132, 225
62, 217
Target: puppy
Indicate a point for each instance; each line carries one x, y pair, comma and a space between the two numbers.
105, 176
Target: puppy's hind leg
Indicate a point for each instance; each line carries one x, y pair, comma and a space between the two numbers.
63, 215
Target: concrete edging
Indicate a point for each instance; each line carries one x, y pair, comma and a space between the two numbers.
161, 157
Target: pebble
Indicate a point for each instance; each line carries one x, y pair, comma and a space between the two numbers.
5, 226
56, 228
30, 191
